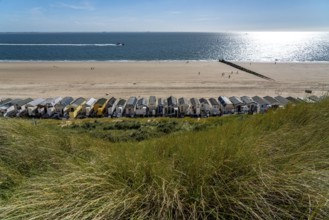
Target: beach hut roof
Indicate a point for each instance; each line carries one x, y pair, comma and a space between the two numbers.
35, 102
204, 101
46, 102
152, 100
247, 100
15, 101
4, 101
100, 101
194, 101
142, 102
213, 101
121, 102
51, 101
112, 101
224, 100
66, 101
132, 101
183, 101
260, 100
293, 100
236, 100
172, 101
24, 101
56, 100
314, 98
78, 101
282, 100
271, 100
91, 101
10, 102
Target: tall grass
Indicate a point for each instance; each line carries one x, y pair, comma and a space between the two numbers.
273, 166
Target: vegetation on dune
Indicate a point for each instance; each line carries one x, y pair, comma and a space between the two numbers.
272, 166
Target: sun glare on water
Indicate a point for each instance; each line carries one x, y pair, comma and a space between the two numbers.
281, 37
290, 45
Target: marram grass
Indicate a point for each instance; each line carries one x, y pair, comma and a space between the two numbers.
273, 166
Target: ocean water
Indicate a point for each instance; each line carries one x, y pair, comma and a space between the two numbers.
253, 46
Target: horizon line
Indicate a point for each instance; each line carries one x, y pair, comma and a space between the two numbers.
258, 31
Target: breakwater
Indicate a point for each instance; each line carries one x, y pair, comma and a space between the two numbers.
245, 69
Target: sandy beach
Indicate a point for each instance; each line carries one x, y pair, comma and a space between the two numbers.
188, 79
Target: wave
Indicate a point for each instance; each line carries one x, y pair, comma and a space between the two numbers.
62, 45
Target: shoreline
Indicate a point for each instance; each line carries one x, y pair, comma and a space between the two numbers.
161, 78
156, 61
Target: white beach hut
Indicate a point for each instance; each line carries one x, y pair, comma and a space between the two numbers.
183, 106
142, 107
215, 107
226, 105
195, 107
111, 106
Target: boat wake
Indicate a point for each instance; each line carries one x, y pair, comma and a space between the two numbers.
65, 45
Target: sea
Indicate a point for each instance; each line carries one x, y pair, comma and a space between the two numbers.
148, 46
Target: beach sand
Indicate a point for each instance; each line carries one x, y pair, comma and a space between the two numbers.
162, 79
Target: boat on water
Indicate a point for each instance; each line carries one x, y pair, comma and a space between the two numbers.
120, 44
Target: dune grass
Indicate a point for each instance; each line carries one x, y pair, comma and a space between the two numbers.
273, 166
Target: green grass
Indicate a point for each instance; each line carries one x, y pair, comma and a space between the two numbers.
272, 166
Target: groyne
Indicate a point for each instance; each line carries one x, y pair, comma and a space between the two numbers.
245, 70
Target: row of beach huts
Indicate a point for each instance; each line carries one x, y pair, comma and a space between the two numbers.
67, 107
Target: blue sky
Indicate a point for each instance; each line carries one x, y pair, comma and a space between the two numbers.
163, 15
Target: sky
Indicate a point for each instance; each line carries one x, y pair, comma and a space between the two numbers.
163, 15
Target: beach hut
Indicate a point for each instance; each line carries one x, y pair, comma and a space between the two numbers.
250, 103
42, 107
239, 106
183, 106
161, 107
152, 105
314, 98
32, 107
4, 106
3, 101
102, 110
304, 100
262, 105
22, 109
88, 108
130, 109
60, 107
119, 109
142, 107
47, 107
195, 107
172, 106
226, 105
215, 107
98, 104
17, 107
76, 107
294, 100
283, 101
111, 106
272, 101
205, 107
